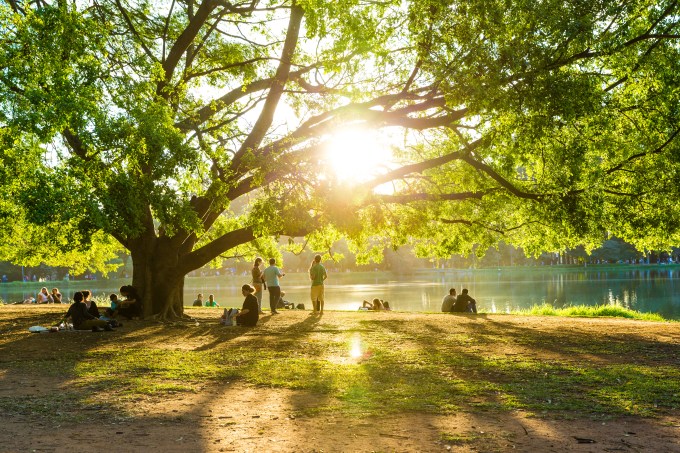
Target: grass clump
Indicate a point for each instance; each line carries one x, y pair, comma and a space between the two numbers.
587, 311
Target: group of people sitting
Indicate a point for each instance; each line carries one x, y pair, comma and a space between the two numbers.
377, 305
43, 297
85, 315
462, 303
211, 302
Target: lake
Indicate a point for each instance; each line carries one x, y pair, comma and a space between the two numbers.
652, 288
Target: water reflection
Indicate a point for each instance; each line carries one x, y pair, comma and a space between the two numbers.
647, 289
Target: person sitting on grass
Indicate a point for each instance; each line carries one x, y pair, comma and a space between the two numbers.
250, 312
43, 297
284, 303
112, 311
465, 303
82, 319
90, 304
376, 305
199, 300
131, 306
56, 296
211, 301
449, 301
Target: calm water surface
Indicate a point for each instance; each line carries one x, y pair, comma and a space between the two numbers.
646, 288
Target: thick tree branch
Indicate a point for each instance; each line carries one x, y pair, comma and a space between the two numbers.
484, 168
634, 157
266, 117
205, 254
424, 165
185, 39
413, 197
76, 144
470, 223
133, 30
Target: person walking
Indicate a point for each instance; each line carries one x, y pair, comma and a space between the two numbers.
317, 274
258, 282
271, 279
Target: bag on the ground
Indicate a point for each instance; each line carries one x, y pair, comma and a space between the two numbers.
227, 318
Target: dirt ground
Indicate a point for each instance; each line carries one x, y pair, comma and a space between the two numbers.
233, 416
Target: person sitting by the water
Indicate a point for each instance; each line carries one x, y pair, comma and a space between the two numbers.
449, 300
376, 305
199, 300
250, 312
465, 303
284, 303
90, 304
43, 297
82, 319
131, 306
56, 296
386, 305
211, 301
28, 300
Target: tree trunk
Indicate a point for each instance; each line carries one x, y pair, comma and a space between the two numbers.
157, 279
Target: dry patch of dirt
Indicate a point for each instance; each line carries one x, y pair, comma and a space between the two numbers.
248, 419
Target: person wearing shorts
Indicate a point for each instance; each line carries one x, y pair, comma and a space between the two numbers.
317, 274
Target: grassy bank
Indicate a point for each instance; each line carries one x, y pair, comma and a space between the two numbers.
359, 363
586, 311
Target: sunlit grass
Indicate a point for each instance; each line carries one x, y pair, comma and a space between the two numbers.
363, 365
587, 311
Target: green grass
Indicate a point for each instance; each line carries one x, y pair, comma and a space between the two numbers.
437, 365
586, 311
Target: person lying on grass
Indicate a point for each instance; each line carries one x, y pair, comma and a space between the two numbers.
376, 305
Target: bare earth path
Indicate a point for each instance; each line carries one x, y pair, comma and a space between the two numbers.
240, 416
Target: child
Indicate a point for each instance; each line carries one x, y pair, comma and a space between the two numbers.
113, 310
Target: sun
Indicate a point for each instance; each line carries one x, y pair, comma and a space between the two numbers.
358, 155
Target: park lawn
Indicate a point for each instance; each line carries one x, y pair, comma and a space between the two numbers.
356, 364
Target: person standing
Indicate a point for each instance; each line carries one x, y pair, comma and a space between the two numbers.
465, 303
258, 282
449, 300
317, 274
271, 279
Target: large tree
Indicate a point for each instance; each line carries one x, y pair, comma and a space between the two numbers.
189, 130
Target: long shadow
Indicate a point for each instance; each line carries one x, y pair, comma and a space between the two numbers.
470, 376
466, 375
472, 361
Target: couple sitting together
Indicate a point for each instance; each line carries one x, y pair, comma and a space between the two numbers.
460, 304
377, 304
